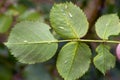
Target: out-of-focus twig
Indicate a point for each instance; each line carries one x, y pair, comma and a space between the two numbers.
43, 1
4, 5
93, 10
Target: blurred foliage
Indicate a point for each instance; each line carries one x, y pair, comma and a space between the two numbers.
5, 73
5, 23
13, 11
36, 72
29, 15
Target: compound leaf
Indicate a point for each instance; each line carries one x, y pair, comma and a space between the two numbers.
73, 60
30, 42
68, 20
107, 25
104, 60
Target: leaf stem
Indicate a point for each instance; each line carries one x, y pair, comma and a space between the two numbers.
68, 40
88, 40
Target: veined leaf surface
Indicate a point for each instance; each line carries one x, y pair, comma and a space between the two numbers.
30, 42
73, 60
104, 60
68, 20
107, 25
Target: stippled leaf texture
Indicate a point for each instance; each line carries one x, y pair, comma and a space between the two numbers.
30, 41
107, 25
73, 60
68, 20
104, 61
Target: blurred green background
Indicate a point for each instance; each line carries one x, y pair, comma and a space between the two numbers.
14, 11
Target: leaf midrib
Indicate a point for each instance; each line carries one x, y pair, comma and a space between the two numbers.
76, 48
69, 23
103, 57
104, 34
39, 42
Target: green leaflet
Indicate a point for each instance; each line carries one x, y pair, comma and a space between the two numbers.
68, 20
104, 60
73, 60
30, 42
107, 25
5, 23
